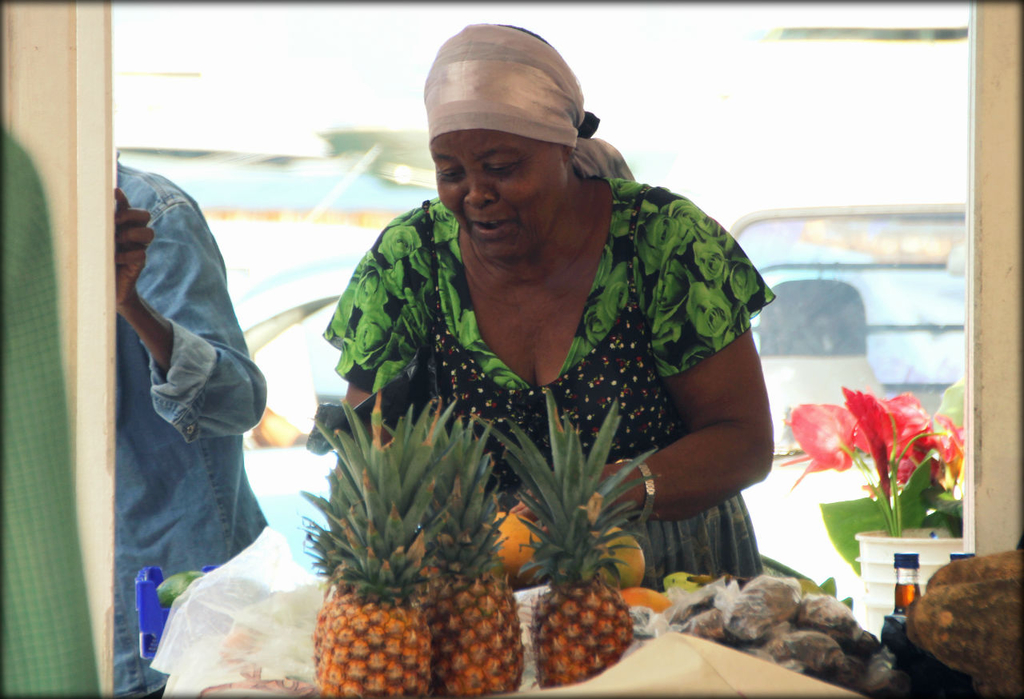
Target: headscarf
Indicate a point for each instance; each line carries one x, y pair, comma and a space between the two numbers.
506, 79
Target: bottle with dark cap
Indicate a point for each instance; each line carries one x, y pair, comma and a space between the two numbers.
907, 586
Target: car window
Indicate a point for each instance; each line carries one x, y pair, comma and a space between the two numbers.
871, 299
298, 364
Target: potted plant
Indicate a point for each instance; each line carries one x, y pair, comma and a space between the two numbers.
911, 463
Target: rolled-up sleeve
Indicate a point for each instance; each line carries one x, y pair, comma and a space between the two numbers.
212, 388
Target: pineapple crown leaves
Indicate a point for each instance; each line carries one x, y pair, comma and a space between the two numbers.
379, 512
468, 540
575, 505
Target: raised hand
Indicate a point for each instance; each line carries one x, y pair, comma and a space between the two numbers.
131, 238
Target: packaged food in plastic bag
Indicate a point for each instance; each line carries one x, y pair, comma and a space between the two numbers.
526, 609
764, 602
709, 624
686, 604
246, 626
819, 653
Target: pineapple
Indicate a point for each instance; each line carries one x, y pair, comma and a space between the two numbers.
370, 637
476, 641
582, 625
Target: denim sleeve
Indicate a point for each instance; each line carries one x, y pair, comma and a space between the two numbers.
212, 388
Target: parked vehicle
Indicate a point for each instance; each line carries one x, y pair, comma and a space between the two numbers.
283, 318
868, 297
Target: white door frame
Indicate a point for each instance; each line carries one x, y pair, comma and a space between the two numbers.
65, 122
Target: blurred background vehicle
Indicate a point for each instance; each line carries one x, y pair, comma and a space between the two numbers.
867, 297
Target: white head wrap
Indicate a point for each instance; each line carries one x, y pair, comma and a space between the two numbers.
502, 78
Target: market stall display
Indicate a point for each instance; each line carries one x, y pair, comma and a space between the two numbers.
247, 627
414, 599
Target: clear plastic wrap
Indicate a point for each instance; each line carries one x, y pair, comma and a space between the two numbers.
819, 653
763, 603
246, 626
828, 615
709, 624
880, 679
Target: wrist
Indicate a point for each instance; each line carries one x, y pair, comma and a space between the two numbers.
647, 501
130, 306
648, 506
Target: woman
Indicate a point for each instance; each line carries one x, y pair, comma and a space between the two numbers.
542, 264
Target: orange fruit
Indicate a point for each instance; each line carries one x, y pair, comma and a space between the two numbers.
630, 562
646, 597
515, 550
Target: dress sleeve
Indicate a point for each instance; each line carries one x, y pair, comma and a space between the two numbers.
383, 316
698, 288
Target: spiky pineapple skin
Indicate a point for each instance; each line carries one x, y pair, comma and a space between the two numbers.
475, 635
579, 630
365, 647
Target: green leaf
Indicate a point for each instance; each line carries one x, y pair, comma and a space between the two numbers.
912, 505
829, 587
952, 405
844, 520
937, 498
942, 520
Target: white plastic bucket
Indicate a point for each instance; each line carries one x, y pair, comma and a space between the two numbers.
877, 549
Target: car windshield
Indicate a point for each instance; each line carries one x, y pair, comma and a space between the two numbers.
873, 296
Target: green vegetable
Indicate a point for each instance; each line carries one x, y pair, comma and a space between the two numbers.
171, 588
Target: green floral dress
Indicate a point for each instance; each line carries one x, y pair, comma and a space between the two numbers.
672, 288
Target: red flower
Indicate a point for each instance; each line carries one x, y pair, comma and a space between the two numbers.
911, 420
950, 445
905, 471
825, 432
896, 433
874, 433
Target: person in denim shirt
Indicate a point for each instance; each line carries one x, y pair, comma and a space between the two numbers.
186, 391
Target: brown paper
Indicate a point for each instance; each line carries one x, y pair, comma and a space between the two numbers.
680, 665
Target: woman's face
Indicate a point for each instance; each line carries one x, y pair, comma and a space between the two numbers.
506, 191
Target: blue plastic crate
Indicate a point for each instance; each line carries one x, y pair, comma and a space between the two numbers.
152, 616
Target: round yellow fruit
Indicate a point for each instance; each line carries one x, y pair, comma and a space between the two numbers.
515, 549
630, 561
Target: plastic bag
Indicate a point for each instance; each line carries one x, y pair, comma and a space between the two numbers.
764, 602
245, 626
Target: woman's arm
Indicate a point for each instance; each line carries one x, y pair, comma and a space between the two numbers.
724, 404
354, 396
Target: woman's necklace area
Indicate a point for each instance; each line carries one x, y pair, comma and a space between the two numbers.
554, 257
